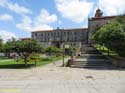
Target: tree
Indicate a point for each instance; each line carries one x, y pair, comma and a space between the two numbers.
24, 48
52, 49
8, 47
27, 47
121, 19
34, 57
68, 51
112, 36
1, 44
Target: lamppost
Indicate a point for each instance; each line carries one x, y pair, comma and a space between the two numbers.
72, 55
51, 54
64, 46
63, 53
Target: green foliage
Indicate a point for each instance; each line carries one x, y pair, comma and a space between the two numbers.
52, 49
121, 19
27, 46
45, 59
112, 35
24, 48
68, 51
34, 56
1, 44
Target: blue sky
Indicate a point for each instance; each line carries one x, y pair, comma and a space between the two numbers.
19, 17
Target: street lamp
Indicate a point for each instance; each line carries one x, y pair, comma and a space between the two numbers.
64, 46
72, 55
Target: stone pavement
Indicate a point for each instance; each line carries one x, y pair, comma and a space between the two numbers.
63, 86
55, 79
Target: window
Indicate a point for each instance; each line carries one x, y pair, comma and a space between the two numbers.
35, 34
67, 33
74, 44
64, 33
41, 34
75, 38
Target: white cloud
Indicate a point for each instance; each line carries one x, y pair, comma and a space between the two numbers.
25, 24
15, 7
41, 27
3, 2
40, 22
6, 17
75, 10
5, 35
18, 9
114, 7
45, 18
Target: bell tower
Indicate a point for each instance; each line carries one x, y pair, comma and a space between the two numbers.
98, 13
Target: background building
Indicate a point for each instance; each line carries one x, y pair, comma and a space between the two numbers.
74, 37
97, 21
59, 37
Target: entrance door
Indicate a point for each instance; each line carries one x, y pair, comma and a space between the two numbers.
58, 45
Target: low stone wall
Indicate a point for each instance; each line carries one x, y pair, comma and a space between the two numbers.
69, 63
117, 62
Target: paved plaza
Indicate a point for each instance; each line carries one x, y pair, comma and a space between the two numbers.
64, 86
53, 78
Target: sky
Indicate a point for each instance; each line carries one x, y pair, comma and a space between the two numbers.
18, 18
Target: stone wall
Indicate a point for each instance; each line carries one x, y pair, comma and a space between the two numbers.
73, 37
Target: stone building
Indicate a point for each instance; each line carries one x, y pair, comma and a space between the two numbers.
59, 37
97, 21
74, 37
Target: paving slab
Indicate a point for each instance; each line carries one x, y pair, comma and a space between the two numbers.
62, 86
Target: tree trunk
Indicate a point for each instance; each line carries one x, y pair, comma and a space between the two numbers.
108, 52
35, 63
25, 60
103, 48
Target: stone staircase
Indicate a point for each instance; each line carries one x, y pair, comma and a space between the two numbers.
91, 58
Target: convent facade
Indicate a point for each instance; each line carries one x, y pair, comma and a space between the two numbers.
75, 37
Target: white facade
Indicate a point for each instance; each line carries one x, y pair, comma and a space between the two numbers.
58, 37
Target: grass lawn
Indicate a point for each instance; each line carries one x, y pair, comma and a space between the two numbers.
3, 58
20, 64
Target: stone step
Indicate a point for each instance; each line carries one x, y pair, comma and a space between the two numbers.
107, 61
101, 60
75, 66
91, 65
94, 50
91, 55
91, 62
86, 46
91, 52
91, 58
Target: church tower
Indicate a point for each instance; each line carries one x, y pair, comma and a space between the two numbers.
98, 13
